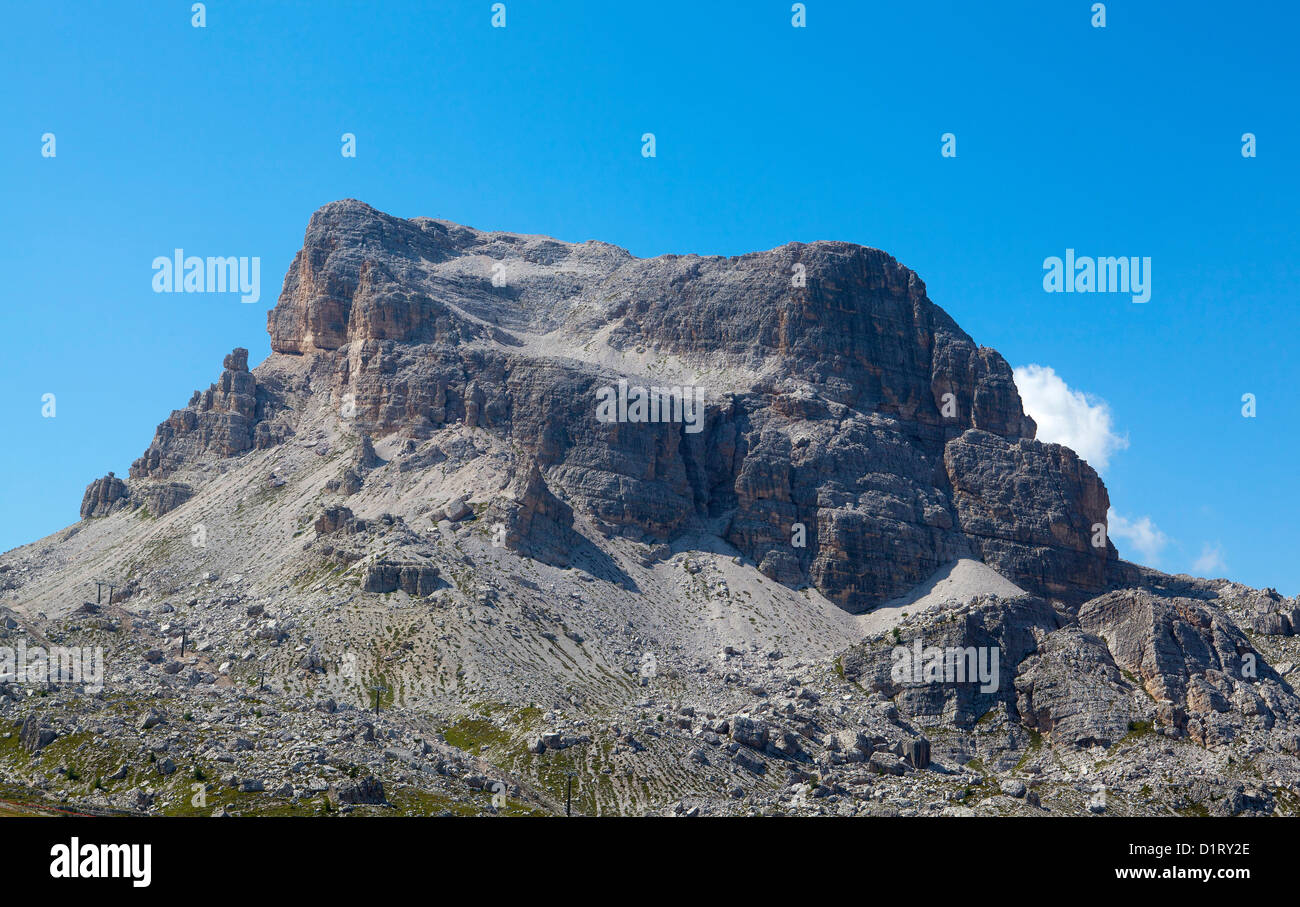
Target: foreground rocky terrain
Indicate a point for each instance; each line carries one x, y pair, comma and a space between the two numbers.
405, 566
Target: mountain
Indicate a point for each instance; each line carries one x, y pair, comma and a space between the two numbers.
672, 524
824, 402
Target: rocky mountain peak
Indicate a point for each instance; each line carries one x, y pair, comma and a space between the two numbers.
852, 437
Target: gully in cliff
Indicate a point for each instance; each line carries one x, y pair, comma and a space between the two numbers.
651, 404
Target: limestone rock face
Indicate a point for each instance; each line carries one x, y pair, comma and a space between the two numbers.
850, 435
367, 790
1267, 611
34, 736
338, 519
420, 476
1130, 662
110, 494
1030, 510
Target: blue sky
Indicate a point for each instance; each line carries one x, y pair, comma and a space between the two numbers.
1117, 141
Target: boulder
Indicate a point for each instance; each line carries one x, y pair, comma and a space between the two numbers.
414, 579
34, 735
368, 790
749, 732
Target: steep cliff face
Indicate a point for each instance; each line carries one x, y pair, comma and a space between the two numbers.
1029, 509
853, 437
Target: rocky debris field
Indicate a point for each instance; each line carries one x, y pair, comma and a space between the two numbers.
1092, 719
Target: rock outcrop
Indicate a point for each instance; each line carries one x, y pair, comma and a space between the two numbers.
1132, 661
1165, 642
958, 665
223, 421
532, 521
1072, 691
34, 735
338, 519
1193, 660
413, 579
110, 494
104, 496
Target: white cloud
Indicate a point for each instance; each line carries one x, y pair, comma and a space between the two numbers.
1066, 416
1211, 562
1142, 534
